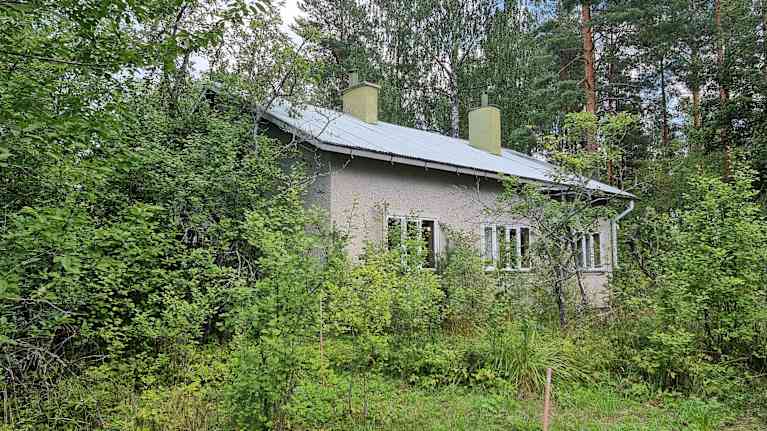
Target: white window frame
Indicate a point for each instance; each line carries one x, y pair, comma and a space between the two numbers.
496, 245
403, 220
584, 242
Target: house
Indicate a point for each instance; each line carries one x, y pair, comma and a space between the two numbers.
374, 176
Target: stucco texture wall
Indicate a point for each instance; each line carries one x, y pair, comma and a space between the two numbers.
361, 193
365, 192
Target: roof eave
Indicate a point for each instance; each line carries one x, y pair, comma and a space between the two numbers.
395, 158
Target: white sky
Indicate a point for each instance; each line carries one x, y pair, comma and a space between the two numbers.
288, 12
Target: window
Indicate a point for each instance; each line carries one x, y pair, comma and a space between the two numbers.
403, 229
507, 247
588, 251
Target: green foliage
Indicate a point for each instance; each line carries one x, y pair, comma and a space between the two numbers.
157, 393
436, 362
386, 293
709, 303
711, 287
469, 289
691, 306
265, 376
278, 323
321, 403
74, 287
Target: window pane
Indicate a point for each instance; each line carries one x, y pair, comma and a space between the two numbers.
488, 243
589, 250
427, 233
524, 246
597, 244
513, 249
503, 247
412, 230
394, 233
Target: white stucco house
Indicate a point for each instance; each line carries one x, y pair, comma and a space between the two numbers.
373, 176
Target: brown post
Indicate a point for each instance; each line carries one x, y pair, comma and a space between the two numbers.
322, 338
547, 400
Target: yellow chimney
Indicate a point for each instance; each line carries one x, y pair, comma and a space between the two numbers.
485, 128
361, 100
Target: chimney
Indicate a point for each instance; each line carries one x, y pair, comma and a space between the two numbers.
361, 99
485, 127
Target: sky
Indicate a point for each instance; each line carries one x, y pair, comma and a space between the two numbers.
288, 12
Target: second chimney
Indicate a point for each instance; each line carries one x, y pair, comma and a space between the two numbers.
485, 128
361, 99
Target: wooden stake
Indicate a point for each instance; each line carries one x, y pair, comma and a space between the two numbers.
547, 400
322, 338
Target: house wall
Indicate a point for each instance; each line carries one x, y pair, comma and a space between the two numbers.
319, 191
366, 191
363, 192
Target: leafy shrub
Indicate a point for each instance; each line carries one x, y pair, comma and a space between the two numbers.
277, 326
429, 364
416, 308
359, 300
469, 289
320, 403
140, 392
74, 289
702, 318
265, 377
712, 286
382, 295
132, 243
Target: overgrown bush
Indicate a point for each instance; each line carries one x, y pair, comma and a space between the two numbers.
138, 393
385, 294
439, 362
134, 244
277, 343
698, 319
469, 290
78, 289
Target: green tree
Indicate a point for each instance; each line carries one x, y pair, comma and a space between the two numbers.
562, 217
711, 283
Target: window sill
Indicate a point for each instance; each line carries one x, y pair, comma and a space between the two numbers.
594, 270
509, 270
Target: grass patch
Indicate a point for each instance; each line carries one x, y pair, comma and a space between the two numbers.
390, 404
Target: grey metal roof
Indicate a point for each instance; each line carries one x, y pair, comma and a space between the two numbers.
342, 133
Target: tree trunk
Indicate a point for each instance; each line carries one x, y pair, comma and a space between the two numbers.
764, 37
584, 294
589, 81
564, 54
697, 119
724, 91
455, 113
561, 305
665, 137
612, 75
560, 294
694, 76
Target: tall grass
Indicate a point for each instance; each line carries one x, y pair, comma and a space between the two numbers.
521, 352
